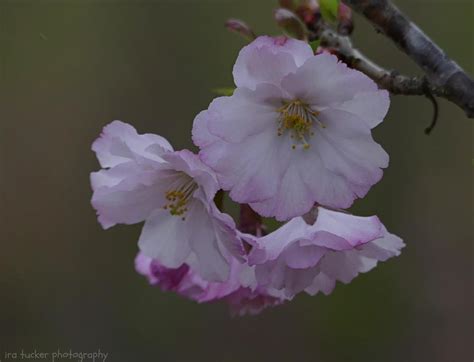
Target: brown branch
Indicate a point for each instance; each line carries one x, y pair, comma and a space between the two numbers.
390, 80
444, 77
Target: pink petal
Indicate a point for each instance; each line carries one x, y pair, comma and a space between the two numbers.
323, 81
251, 169
203, 239
120, 142
268, 60
245, 113
165, 238
355, 230
371, 107
131, 199
302, 257
321, 283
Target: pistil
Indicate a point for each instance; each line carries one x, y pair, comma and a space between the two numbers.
298, 118
178, 198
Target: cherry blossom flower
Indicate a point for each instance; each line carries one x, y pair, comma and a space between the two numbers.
240, 291
338, 246
172, 191
296, 131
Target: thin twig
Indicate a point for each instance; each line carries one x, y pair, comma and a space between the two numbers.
391, 80
434, 102
445, 77
386, 79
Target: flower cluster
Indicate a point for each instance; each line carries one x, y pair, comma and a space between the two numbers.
293, 139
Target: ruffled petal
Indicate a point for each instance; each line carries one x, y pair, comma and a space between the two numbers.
271, 246
321, 283
240, 290
251, 170
291, 198
327, 188
268, 60
143, 267
344, 266
120, 142
348, 149
371, 107
157, 274
200, 133
245, 113
202, 235
226, 232
354, 230
383, 248
164, 237
245, 301
338, 246
323, 81
127, 200
276, 274
298, 256
113, 176
190, 163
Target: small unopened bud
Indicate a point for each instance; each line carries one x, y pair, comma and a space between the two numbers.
309, 12
291, 24
241, 28
345, 24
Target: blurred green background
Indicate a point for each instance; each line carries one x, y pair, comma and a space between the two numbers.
69, 67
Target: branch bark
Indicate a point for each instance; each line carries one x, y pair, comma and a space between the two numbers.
444, 77
386, 79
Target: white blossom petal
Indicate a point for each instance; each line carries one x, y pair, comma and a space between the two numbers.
165, 238
268, 60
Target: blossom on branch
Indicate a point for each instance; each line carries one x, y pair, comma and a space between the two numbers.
240, 291
296, 131
337, 247
143, 179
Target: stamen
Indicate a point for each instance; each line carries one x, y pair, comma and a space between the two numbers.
298, 118
178, 198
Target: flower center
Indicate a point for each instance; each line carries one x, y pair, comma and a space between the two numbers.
179, 196
298, 119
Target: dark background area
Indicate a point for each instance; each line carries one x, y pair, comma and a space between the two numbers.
69, 67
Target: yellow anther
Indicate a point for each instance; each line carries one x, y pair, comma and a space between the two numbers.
178, 198
298, 119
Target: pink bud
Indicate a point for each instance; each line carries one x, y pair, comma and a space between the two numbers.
291, 23
345, 25
241, 28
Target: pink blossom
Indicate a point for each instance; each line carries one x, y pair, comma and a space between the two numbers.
338, 246
240, 291
172, 191
296, 131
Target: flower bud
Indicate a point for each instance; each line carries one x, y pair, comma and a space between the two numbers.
291, 24
309, 12
345, 24
241, 28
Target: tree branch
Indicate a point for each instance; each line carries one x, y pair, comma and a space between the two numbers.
390, 80
444, 77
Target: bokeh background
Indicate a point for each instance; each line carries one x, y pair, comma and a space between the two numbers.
69, 67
